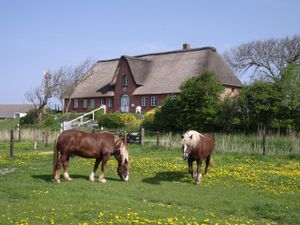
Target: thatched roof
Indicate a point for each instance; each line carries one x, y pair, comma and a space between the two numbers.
158, 73
97, 84
9, 110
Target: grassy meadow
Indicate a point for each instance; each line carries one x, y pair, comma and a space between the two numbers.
239, 189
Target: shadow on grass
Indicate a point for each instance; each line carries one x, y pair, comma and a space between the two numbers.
166, 176
49, 177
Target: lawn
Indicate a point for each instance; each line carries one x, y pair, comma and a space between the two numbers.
239, 189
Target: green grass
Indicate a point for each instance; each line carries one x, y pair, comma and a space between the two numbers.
9, 123
239, 189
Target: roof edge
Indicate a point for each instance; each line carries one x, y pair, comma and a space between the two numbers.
163, 53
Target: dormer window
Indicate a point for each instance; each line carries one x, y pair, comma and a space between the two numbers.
125, 80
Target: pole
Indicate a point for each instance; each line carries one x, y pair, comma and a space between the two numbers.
142, 136
11, 146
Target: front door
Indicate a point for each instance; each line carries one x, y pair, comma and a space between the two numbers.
124, 103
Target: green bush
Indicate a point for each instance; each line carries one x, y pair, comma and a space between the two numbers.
31, 118
112, 120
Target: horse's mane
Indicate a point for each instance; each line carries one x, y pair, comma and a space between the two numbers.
123, 149
192, 138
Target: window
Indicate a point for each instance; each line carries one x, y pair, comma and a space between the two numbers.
102, 102
144, 101
92, 103
85, 103
154, 101
75, 104
110, 102
125, 81
124, 103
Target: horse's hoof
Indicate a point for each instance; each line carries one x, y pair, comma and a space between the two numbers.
68, 179
92, 178
57, 181
102, 181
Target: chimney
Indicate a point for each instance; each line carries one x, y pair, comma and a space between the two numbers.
186, 46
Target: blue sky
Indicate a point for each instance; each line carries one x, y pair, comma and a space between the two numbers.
44, 35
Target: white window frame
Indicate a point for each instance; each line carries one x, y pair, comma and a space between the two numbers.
84, 103
125, 81
144, 101
75, 103
92, 103
153, 100
110, 102
102, 101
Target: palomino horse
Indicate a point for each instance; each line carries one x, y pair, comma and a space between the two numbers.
197, 147
98, 145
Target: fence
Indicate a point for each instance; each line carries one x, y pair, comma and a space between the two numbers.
241, 143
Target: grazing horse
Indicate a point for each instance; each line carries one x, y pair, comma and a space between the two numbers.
197, 147
98, 145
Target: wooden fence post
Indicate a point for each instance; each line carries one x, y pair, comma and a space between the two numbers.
11, 146
125, 137
157, 139
35, 139
264, 142
19, 132
142, 136
46, 138
170, 139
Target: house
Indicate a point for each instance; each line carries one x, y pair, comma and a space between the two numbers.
144, 81
13, 111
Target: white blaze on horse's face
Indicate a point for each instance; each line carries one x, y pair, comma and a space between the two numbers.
186, 147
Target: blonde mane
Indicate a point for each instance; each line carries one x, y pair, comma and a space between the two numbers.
124, 152
123, 148
192, 138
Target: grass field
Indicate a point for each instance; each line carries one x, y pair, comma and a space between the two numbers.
239, 189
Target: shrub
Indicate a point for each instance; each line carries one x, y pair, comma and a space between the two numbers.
129, 119
112, 120
31, 118
148, 123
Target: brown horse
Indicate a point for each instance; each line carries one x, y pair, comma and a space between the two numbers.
197, 147
98, 145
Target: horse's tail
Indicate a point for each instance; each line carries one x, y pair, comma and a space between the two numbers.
55, 156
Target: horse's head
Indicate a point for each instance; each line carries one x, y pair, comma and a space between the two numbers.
189, 140
123, 165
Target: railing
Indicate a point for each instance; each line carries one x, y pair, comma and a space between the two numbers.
79, 121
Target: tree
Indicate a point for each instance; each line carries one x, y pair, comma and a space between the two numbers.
195, 108
229, 113
70, 78
167, 117
260, 103
200, 98
268, 58
40, 95
289, 85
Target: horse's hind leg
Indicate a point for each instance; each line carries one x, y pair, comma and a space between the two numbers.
207, 162
60, 163
65, 166
103, 168
92, 175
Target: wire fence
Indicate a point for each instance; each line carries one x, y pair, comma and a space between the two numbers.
240, 143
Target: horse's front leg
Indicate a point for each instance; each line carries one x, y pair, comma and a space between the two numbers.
92, 175
103, 168
190, 163
198, 173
